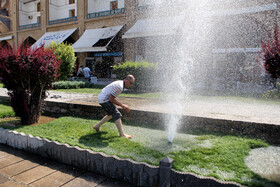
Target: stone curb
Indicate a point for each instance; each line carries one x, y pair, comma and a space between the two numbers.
136, 173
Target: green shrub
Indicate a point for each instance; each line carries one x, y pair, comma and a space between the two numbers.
86, 82
144, 73
68, 84
272, 94
66, 55
75, 85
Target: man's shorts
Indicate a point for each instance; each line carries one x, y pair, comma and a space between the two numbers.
111, 110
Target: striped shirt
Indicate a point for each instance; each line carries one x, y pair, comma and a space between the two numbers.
114, 89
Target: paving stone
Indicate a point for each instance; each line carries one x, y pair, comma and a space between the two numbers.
87, 179
7, 151
3, 154
3, 179
11, 151
12, 184
20, 167
38, 172
49, 174
58, 178
9, 160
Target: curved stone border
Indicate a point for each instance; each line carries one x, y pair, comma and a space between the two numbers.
137, 173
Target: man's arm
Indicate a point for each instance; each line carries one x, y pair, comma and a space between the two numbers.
116, 102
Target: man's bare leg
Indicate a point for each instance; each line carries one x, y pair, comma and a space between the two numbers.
120, 129
104, 120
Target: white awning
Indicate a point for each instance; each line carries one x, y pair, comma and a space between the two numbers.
57, 36
6, 38
154, 27
92, 36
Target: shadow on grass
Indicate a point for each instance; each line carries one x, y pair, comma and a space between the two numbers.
10, 122
94, 140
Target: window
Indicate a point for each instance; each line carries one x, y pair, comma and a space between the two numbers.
39, 19
114, 5
39, 7
71, 1
72, 13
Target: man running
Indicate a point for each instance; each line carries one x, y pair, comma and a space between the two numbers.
107, 99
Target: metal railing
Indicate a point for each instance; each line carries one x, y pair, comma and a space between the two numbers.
105, 13
29, 26
63, 20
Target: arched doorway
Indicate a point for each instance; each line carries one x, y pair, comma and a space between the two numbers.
29, 41
5, 44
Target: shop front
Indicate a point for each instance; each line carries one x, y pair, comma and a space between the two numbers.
102, 49
102, 64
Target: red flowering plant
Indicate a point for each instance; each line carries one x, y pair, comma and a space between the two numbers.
270, 55
27, 73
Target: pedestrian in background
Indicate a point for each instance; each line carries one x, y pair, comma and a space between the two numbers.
80, 72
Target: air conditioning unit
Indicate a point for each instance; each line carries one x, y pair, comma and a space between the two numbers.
30, 17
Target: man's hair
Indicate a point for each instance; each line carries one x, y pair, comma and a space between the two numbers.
129, 77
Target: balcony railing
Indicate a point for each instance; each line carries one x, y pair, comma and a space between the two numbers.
63, 20
29, 26
105, 13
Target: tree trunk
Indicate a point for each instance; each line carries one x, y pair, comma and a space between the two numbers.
29, 112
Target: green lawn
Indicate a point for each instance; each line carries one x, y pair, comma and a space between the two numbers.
1, 85
205, 154
6, 110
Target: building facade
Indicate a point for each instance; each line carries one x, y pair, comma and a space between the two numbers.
107, 32
29, 20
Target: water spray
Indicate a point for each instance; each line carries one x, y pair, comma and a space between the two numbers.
179, 62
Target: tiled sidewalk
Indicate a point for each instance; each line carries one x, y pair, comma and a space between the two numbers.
19, 169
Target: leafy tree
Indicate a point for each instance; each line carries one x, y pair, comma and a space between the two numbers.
66, 55
27, 73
